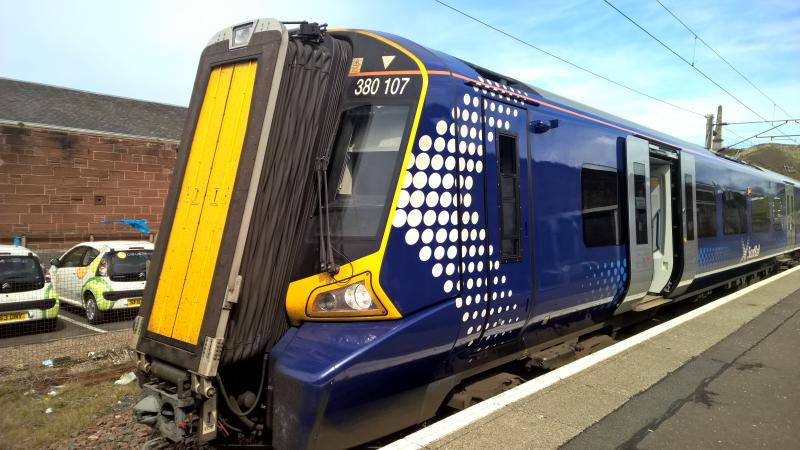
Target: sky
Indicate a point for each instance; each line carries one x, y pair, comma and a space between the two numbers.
149, 49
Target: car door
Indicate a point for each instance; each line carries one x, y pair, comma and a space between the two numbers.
82, 272
65, 278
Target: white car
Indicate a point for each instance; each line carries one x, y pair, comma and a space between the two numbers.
100, 276
25, 294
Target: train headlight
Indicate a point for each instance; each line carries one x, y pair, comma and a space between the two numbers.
326, 302
355, 299
241, 35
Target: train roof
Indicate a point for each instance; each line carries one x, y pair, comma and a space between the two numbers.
582, 107
434, 59
572, 104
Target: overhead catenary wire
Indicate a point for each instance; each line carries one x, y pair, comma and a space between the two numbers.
761, 121
689, 63
784, 136
564, 60
753, 136
735, 134
698, 38
743, 140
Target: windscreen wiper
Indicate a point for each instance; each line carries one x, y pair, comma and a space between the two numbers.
326, 261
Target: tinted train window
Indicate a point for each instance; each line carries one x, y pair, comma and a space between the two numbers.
778, 210
689, 207
759, 209
507, 162
640, 202
734, 213
600, 206
706, 212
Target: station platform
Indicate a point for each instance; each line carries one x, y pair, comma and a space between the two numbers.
724, 375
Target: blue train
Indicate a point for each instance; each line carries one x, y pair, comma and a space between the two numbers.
359, 225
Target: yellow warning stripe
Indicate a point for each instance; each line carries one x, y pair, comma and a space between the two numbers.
196, 233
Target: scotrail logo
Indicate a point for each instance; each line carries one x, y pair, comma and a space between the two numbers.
750, 251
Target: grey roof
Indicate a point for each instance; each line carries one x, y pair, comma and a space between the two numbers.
41, 104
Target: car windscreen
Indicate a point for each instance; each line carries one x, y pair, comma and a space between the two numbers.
128, 265
20, 273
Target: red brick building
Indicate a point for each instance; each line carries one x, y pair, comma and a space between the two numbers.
70, 160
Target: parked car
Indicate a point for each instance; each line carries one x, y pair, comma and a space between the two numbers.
25, 293
102, 276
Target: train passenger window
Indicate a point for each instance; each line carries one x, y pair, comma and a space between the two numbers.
706, 212
600, 206
759, 210
640, 202
507, 163
734, 213
689, 207
778, 210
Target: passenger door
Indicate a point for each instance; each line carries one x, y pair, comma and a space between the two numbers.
790, 235
640, 252
507, 287
65, 274
689, 222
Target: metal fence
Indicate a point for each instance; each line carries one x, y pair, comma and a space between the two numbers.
70, 307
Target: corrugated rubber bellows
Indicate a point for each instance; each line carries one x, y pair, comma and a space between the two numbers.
303, 130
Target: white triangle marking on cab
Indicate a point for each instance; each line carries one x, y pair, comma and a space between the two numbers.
387, 60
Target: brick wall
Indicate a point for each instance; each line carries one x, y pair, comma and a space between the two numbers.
56, 186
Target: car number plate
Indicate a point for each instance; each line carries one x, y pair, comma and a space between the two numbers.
134, 301
11, 317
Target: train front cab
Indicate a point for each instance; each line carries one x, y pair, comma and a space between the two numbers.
459, 288
322, 373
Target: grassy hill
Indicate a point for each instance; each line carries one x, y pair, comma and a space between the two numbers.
781, 158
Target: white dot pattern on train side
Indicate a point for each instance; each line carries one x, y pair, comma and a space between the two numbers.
605, 280
427, 214
708, 257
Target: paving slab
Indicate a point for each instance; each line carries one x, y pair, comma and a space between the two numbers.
734, 365
741, 393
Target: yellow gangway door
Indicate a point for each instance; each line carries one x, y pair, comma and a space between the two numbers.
194, 240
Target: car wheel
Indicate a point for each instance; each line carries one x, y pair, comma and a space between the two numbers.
50, 325
93, 313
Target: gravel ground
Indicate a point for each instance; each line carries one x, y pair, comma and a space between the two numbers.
116, 430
